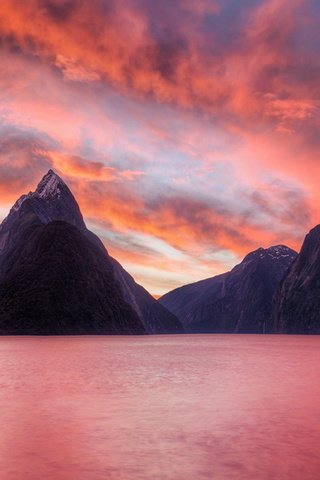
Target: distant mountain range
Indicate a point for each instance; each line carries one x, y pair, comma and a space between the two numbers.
272, 290
56, 276
239, 301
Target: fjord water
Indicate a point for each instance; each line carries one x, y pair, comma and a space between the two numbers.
160, 407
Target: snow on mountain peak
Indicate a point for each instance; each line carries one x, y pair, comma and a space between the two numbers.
280, 251
275, 252
49, 186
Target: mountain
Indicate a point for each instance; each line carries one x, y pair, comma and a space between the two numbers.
27, 271
239, 301
52, 200
297, 301
57, 283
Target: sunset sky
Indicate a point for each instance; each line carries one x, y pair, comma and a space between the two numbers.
188, 130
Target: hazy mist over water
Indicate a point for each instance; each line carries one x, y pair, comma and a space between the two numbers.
190, 407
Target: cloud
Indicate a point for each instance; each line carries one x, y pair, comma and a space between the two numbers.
196, 226
280, 208
78, 167
193, 123
22, 161
127, 48
61, 10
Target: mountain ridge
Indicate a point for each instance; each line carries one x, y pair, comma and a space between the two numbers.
238, 301
272, 290
58, 283
297, 302
53, 201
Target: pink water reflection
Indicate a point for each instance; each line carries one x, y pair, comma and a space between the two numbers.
176, 408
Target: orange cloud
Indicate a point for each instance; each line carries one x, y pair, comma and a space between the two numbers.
75, 166
191, 122
114, 43
191, 225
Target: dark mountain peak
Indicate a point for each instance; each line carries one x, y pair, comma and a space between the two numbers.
313, 237
51, 185
310, 250
280, 252
315, 230
237, 301
276, 252
297, 303
53, 202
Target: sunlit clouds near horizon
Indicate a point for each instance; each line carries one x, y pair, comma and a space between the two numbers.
188, 130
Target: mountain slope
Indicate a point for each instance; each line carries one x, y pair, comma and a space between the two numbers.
58, 283
239, 301
156, 318
53, 201
297, 302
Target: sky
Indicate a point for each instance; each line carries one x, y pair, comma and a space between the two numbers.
188, 130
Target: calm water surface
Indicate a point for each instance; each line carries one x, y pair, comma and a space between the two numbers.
171, 407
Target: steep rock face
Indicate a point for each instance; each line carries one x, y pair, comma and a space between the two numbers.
297, 302
53, 201
239, 301
57, 283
